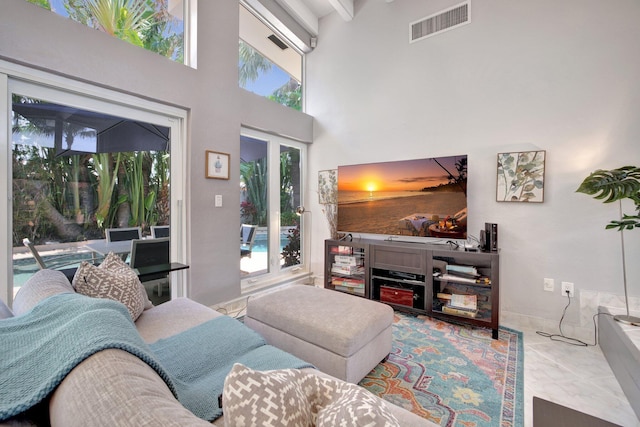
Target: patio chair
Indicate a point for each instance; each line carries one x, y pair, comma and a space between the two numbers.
122, 234
66, 263
247, 237
158, 231
151, 252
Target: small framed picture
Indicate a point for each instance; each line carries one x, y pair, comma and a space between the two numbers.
521, 177
217, 165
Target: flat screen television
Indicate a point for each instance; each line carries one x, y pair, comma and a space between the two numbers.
421, 198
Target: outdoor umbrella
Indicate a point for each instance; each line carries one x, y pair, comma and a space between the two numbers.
81, 131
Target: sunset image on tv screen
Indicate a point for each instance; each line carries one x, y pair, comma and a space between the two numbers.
422, 197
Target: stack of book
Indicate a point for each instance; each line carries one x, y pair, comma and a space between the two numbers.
343, 250
353, 286
460, 305
348, 265
464, 274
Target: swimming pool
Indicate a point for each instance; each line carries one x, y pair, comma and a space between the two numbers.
24, 267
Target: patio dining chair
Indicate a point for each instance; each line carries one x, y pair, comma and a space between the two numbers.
158, 231
247, 237
122, 234
151, 252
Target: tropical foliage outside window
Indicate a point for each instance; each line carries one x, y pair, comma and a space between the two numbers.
72, 195
144, 23
254, 75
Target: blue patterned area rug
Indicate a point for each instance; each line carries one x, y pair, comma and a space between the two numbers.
453, 375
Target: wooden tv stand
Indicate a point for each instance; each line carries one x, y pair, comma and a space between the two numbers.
413, 277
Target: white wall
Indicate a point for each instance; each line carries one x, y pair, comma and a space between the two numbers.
40, 39
526, 75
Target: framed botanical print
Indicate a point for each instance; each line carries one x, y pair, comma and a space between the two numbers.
520, 177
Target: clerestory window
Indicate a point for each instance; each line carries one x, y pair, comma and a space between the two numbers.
155, 25
268, 64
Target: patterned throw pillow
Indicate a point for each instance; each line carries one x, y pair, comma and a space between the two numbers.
355, 407
296, 398
113, 262
114, 280
272, 398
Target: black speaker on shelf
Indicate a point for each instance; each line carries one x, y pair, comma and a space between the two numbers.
490, 237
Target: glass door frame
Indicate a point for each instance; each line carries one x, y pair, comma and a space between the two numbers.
38, 84
275, 273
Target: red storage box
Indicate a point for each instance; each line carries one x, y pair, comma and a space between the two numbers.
396, 296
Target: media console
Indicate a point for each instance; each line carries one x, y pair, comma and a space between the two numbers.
419, 278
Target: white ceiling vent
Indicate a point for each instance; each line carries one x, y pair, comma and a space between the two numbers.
438, 22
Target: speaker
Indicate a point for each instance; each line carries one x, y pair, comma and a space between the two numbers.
491, 237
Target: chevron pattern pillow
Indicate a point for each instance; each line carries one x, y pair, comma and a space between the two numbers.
296, 398
113, 279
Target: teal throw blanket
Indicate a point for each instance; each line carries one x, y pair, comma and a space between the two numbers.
200, 358
39, 348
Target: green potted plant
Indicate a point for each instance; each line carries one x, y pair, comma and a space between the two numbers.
616, 185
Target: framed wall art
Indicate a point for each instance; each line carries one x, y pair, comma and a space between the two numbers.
216, 165
521, 177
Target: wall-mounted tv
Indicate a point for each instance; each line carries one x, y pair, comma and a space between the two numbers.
420, 198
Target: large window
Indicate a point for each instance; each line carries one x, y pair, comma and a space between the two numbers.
155, 25
81, 165
268, 65
271, 185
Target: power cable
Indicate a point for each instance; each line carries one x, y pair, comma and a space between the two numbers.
569, 340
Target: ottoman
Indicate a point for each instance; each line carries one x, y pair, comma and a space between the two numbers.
344, 335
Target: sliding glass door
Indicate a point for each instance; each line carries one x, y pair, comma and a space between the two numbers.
79, 165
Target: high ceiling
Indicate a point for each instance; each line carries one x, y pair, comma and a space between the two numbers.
308, 12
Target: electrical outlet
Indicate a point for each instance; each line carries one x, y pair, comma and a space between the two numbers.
549, 285
567, 286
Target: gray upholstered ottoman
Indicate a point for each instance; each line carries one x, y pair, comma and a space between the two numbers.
343, 335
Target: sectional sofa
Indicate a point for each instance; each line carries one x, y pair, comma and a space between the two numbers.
117, 388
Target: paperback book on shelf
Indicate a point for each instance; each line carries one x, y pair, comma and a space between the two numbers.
348, 260
347, 269
341, 250
350, 289
462, 269
469, 302
347, 281
459, 311
479, 280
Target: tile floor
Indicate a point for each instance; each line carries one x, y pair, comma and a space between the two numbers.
576, 377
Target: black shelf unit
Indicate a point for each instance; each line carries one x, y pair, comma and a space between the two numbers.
346, 268
407, 277
487, 292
